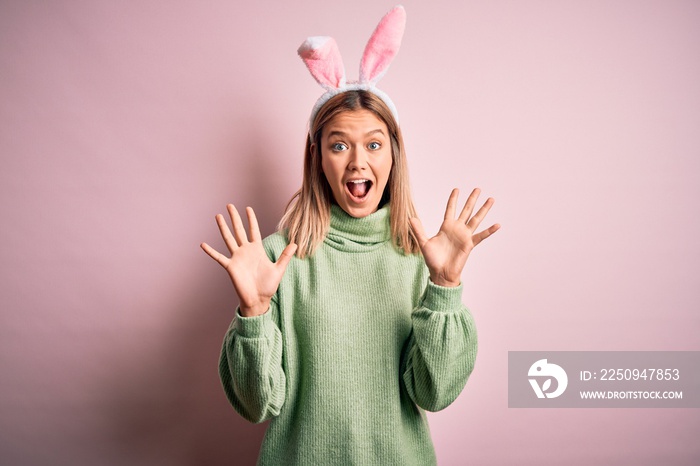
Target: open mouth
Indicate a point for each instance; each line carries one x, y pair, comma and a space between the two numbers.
358, 189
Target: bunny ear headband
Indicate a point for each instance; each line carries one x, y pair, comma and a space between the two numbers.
322, 58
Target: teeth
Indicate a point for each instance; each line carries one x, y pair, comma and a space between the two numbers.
358, 181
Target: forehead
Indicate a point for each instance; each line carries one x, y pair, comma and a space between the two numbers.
357, 121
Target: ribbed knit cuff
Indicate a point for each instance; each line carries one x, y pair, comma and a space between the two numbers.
442, 298
252, 327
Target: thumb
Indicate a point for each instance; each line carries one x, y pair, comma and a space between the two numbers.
286, 256
418, 231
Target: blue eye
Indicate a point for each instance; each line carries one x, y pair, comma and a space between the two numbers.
374, 146
338, 146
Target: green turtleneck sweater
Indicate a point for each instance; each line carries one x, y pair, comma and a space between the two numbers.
356, 344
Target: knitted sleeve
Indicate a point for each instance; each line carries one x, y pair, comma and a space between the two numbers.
250, 366
440, 352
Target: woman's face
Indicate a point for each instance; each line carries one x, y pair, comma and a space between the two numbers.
356, 159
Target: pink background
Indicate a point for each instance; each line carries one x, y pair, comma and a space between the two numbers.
126, 126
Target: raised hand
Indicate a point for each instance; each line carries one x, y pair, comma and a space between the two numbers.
446, 253
254, 276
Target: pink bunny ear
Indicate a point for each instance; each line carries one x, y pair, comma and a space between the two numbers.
322, 58
383, 46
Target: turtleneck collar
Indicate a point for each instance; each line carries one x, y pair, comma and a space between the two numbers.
352, 234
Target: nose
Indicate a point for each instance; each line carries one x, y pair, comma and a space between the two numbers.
358, 159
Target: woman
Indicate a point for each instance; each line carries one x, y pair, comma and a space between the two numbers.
350, 321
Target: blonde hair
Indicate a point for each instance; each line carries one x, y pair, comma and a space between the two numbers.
307, 215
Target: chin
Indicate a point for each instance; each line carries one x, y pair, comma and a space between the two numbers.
359, 211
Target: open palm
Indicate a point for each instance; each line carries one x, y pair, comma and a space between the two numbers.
255, 277
446, 253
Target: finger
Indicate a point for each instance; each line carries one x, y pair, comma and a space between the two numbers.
479, 216
238, 229
451, 205
214, 254
253, 222
479, 237
286, 256
419, 231
226, 233
469, 205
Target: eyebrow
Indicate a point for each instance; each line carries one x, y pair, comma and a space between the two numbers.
369, 133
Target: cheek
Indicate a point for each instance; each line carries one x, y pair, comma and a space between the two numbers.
329, 170
385, 169
325, 167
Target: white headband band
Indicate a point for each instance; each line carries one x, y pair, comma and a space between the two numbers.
322, 58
